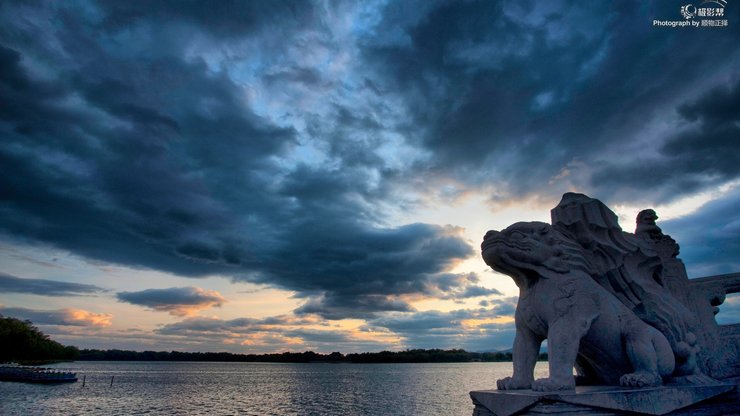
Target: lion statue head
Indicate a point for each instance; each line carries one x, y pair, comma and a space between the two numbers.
528, 250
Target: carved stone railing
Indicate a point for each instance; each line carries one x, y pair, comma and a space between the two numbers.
722, 283
714, 290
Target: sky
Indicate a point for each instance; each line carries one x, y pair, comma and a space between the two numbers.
267, 176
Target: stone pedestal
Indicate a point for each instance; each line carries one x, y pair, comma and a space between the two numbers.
715, 399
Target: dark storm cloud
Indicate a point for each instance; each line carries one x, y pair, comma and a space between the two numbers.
477, 291
703, 153
709, 237
420, 322
454, 329
504, 307
128, 147
470, 329
349, 267
178, 301
458, 287
102, 190
208, 326
44, 287
510, 93
360, 306
223, 19
365, 268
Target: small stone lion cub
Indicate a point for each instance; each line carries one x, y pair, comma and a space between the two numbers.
585, 325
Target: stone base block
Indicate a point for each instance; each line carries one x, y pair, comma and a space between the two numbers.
714, 399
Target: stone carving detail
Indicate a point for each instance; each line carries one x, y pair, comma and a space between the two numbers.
616, 306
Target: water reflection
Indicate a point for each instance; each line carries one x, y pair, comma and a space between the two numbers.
166, 388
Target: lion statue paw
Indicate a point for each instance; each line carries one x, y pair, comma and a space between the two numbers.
641, 379
509, 383
548, 384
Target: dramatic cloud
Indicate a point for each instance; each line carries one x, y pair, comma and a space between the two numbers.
43, 287
157, 155
709, 237
702, 152
356, 269
178, 301
458, 287
280, 142
64, 317
226, 19
533, 96
484, 329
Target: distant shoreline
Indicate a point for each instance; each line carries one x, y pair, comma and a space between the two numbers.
23, 343
407, 356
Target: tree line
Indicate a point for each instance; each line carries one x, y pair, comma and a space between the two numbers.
21, 341
406, 356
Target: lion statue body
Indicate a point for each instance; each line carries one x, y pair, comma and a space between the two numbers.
587, 327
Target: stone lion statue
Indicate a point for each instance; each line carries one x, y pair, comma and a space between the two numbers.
586, 326
632, 268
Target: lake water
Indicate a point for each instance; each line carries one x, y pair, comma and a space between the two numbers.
169, 388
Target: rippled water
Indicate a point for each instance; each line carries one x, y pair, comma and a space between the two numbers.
167, 388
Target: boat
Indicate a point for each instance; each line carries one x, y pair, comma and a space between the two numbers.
35, 375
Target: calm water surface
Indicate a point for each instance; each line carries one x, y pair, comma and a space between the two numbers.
167, 388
